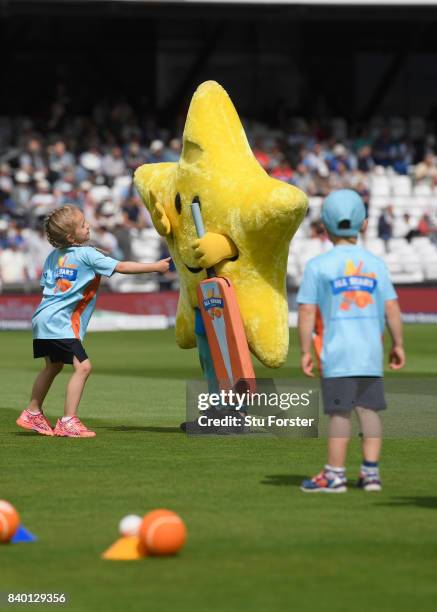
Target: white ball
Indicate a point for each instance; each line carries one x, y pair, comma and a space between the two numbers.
130, 525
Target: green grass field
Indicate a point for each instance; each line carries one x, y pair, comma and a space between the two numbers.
255, 541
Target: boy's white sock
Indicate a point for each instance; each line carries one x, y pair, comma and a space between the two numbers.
370, 468
335, 472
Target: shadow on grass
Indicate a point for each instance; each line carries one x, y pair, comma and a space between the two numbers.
137, 429
283, 480
26, 434
419, 501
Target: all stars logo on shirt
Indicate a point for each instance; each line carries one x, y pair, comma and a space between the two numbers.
65, 274
355, 286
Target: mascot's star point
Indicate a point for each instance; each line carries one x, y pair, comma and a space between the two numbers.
250, 219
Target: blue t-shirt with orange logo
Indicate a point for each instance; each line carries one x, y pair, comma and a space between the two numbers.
349, 286
70, 282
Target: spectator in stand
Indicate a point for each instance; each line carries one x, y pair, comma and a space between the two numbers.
426, 227
341, 161
282, 171
303, 179
38, 248
43, 201
363, 140
123, 235
426, 171
174, 150
3, 234
21, 194
156, 152
261, 154
363, 190
365, 161
105, 240
407, 227
32, 159
7, 207
16, 238
315, 160
90, 163
61, 161
317, 231
135, 156
135, 214
383, 149
14, 266
276, 155
385, 226
402, 157
66, 193
99, 191
113, 164
6, 182
340, 178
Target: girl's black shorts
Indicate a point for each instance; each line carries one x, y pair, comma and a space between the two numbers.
59, 351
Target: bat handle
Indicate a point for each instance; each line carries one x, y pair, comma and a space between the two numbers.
197, 218
200, 228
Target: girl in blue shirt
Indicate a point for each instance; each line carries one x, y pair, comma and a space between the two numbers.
70, 282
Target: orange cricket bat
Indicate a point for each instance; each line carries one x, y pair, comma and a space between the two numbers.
224, 326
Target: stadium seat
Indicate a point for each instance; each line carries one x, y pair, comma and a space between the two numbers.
377, 203
399, 244
393, 263
431, 270
381, 186
422, 244
375, 246
401, 185
422, 189
400, 278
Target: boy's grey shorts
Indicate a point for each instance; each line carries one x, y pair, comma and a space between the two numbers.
343, 394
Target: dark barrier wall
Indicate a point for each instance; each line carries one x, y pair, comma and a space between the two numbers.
16, 310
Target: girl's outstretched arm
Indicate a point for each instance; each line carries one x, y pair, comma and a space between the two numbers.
134, 267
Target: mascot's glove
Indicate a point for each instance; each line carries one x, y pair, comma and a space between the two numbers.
213, 248
160, 219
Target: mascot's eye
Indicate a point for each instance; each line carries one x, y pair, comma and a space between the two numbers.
178, 203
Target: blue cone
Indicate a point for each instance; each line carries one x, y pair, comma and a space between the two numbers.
22, 535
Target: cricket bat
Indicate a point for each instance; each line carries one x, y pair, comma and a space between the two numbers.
224, 326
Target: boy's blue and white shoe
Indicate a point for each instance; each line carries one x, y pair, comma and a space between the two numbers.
325, 483
369, 482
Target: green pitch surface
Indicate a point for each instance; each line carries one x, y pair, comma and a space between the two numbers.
255, 541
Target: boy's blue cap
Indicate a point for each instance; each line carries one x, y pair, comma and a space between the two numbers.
343, 213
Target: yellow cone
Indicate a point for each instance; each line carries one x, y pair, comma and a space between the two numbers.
125, 549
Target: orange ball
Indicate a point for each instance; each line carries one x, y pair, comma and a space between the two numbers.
9, 521
162, 532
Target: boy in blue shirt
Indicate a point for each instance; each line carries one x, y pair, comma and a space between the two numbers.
344, 299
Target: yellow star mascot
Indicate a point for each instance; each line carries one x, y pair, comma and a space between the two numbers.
250, 219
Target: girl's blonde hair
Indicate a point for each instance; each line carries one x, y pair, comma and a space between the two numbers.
59, 224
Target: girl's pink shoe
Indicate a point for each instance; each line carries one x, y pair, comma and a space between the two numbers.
35, 422
73, 428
